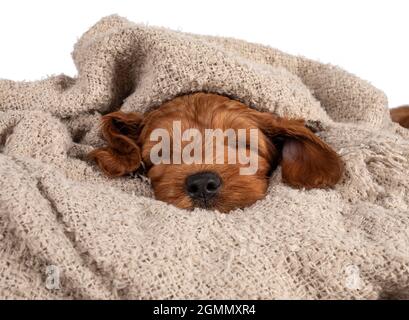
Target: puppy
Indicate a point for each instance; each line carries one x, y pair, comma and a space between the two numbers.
306, 161
401, 116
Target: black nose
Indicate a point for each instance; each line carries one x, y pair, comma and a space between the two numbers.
203, 186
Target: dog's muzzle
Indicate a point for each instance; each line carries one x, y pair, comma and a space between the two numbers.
203, 188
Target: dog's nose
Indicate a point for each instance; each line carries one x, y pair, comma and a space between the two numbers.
203, 186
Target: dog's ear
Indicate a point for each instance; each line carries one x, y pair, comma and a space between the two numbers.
306, 161
401, 116
122, 155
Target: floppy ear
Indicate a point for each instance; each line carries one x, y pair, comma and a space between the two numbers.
122, 155
306, 161
401, 116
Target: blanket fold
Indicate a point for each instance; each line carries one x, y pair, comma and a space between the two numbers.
68, 232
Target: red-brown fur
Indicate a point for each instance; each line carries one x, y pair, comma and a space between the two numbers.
401, 116
306, 161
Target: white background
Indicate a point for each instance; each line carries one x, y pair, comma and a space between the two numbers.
368, 38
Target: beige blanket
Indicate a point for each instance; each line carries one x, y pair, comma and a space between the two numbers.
66, 231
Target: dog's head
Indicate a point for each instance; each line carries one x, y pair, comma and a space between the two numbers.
203, 162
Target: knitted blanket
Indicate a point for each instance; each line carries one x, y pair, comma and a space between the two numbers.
68, 232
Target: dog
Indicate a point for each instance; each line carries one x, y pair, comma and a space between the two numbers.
305, 160
401, 115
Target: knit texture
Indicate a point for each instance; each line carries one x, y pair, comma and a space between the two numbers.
111, 240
